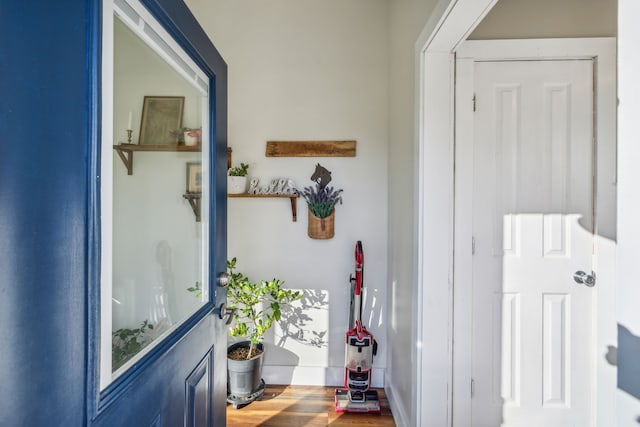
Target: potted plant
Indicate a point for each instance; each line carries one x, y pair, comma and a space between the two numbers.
178, 134
237, 179
187, 136
321, 201
257, 306
192, 136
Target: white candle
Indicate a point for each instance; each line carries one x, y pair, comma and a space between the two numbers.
129, 127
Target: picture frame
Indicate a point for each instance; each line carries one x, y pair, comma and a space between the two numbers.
194, 177
161, 116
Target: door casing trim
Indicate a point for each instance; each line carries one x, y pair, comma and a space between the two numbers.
450, 23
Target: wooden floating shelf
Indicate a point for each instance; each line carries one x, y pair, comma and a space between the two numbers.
292, 197
125, 151
311, 149
194, 201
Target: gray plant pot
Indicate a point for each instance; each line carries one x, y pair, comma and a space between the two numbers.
244, 376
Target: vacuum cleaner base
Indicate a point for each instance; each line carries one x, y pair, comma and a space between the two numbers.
357, 401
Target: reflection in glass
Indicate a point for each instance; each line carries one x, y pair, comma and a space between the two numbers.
158, 252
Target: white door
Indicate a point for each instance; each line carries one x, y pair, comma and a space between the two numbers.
533, 215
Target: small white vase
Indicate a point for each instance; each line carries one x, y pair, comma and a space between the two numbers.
191, 138
236, 184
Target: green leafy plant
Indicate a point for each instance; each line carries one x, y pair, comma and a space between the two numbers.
196, 289
256, 304
178, 134
127, 343
321, 200
241, 170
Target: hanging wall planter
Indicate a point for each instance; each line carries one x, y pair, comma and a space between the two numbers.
321, 228
321, 201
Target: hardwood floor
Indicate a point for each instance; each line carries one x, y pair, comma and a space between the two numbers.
303, 406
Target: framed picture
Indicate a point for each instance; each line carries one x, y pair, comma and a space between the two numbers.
194, 177
161, 115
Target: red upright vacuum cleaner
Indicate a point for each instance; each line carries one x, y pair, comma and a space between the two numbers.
356, 396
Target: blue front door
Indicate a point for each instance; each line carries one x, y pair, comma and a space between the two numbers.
50, 230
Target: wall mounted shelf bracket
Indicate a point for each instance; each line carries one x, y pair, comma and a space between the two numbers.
194, 201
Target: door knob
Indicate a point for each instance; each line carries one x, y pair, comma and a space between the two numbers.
584, 278
222, 280
222, 310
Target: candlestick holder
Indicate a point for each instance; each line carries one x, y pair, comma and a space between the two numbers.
129, 132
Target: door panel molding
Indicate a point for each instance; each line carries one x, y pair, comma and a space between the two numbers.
199, 393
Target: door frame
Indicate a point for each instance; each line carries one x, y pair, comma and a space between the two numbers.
449, 24
602, 52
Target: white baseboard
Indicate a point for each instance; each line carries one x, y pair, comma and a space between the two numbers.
314, 375
398, 410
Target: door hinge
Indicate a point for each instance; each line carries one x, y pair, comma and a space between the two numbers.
473, 245
474, 102
473, 387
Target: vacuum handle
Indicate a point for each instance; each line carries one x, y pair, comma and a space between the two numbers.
359, 253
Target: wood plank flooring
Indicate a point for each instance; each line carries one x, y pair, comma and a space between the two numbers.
303, 406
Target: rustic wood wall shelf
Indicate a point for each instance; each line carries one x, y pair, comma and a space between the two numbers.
194, 201
125, 151
311, 149
292, 197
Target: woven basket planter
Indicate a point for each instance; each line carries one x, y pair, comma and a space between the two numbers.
321, 228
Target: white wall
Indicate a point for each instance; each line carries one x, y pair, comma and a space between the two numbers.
306, 70
628, 285
406, 20
523, 19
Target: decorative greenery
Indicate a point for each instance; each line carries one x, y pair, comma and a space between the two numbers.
257, 304
197, 290
127, 343
322, 200
178, 134
241, 170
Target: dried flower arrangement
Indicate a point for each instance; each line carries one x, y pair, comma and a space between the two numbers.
321, 199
